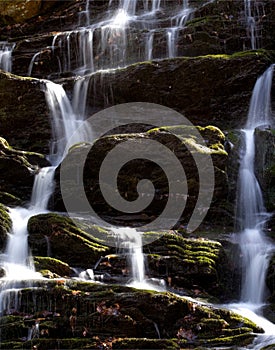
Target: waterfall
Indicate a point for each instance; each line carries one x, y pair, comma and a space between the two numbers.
65, 122
251, 213
130, 241
16, 259
6, 55
253, 12
112, 41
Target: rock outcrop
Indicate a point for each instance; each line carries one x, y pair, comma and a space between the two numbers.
18, 169
93, 313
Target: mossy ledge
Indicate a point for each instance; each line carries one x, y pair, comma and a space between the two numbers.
134, 322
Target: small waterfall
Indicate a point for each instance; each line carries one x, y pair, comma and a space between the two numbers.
253, 13
65, 122
251, 213
6, 55
43, 188
111, 42
16, 259
130, 241
32, 62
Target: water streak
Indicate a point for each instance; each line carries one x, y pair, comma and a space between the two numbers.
251, 213
6, 55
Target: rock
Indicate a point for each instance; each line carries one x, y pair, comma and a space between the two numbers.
62, 234
17, 172
265, 164
183, 84
20, 11
54, 266
5, 225
214, 28
131, 174
24, 120
2, 272
191, 264
141, 314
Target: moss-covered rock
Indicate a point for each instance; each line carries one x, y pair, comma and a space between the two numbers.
5, 225
68, 242
265, 164
168, 314
188, 85
183, 141
57, 267
199, 265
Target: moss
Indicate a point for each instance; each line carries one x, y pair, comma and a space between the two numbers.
54, 265
63, 233
240, 340
143, 343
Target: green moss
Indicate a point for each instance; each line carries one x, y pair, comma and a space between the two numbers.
240, 339
143, 343
5, 221
50, 264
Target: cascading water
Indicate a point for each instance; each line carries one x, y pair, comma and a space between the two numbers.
129, 242
5, 55
111, 42
251, 213
253, 12
16, 259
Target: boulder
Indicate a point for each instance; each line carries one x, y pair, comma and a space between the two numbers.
175, 139
56, 267
20, 11
67, 241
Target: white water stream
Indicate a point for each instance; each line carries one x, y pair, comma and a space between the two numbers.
16, 259
5, 55
255, 247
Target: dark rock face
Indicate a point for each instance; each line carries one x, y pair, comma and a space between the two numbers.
188, 85
137, 170
265, 164
17, 172
24, 120
209, 90
216, 28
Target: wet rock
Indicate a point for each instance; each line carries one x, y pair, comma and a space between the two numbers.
24, 120
20, 11
68, 242
5, 225
188, 85
2, 272
138, 169
166, 314
17, 172
199, 265
265, 164
55, 267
